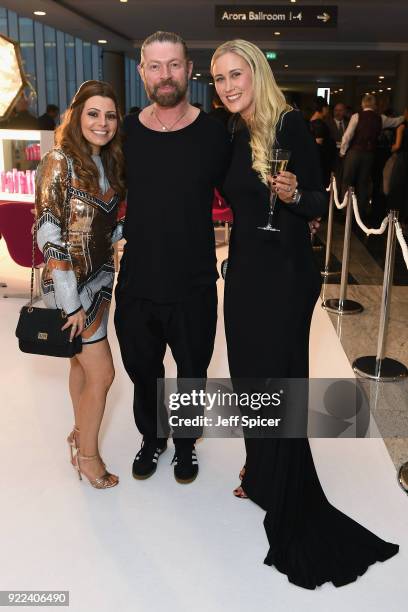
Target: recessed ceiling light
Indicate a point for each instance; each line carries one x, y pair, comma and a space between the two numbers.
102, 41
358, 66
381, 77
373, 92
198, 74
286, 65
194, 78
340, 90
388, 88
123, 0
277, 33
293, 1
380, 90
40, 13
366, 93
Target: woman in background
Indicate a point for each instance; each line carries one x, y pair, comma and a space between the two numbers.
321, 133
79, 184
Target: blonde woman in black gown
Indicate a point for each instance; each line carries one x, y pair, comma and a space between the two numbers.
271, 288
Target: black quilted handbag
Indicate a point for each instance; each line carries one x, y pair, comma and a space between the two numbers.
39, 332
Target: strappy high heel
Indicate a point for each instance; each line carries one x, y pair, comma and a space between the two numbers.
239, 491
103, 482
73, 445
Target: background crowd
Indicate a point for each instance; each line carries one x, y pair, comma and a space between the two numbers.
362, 147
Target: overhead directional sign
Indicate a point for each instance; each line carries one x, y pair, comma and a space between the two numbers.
261, 15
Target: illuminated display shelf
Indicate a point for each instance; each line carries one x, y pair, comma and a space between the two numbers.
16, 197
44, 137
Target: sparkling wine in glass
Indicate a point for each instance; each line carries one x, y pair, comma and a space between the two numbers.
277, 163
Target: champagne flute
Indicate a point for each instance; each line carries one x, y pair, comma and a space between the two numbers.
277, 163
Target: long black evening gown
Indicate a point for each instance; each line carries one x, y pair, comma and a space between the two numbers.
271, 288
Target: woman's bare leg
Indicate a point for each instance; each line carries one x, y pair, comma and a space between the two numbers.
97, 365
76, 386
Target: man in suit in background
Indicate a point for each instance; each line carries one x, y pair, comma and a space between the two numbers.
359, 142
21, 118
337, 126
48, 120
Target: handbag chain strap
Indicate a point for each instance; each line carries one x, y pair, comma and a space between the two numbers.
67, 214
32, 266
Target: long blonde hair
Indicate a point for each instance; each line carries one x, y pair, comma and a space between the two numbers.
269, 100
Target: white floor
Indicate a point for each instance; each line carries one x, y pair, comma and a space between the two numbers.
147, 546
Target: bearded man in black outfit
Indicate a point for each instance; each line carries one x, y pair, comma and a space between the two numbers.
166, 293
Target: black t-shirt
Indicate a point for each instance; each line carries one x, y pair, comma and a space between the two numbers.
45, 122
170, 250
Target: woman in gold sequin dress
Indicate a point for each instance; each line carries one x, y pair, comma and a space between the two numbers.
79, 184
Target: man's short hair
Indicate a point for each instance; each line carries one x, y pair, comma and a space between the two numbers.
369, 101
162, 37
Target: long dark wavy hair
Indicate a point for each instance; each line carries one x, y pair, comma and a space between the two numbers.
69, 137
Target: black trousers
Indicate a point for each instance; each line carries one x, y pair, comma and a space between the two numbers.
338, 173
357, 174
144, 329
398, 196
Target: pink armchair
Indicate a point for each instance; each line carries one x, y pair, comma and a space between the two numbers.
16, 221
223, 213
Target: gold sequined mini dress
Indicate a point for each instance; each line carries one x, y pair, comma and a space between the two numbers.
75, 232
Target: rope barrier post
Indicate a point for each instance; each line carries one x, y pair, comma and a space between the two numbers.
326, 272
379, 367
342, 305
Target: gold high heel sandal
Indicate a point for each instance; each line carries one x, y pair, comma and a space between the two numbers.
72, 443
104, 481
73, 446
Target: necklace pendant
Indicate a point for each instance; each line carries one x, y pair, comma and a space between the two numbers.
164, 128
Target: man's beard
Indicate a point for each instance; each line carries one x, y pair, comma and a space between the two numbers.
170, 98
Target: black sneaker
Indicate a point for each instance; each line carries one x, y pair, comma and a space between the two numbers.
185, 465
145, 463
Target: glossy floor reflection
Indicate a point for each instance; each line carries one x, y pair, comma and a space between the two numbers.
155, 544
359, 333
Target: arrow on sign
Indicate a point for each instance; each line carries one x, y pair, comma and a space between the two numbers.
325, 17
